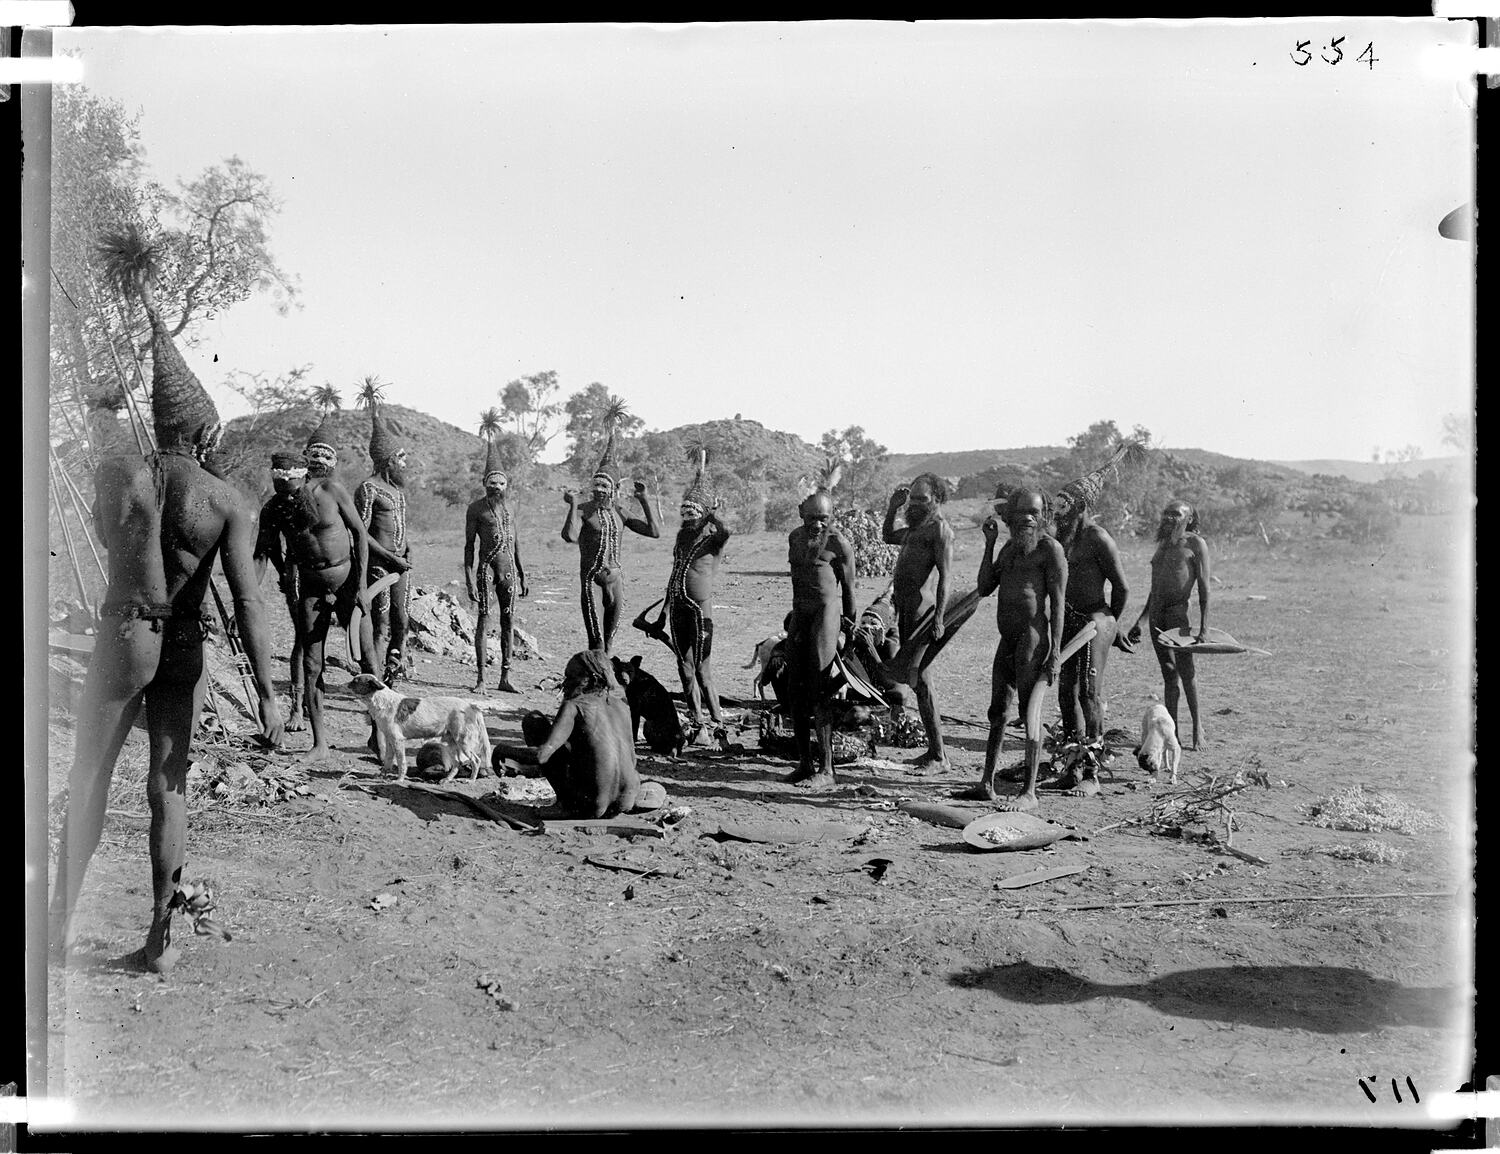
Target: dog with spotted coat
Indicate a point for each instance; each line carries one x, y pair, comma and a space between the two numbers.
456, 723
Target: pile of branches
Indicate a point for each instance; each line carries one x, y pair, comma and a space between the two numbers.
1203, 802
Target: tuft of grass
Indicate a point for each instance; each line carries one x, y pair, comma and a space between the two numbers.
1355, 810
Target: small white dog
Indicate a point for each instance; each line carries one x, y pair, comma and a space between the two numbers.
760, 657
1159, 748
457, 724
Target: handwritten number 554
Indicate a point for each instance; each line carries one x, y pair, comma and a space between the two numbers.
1302, 54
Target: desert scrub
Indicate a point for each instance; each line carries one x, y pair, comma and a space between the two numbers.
1369, 850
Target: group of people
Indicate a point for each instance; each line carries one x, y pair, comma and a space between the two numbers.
1058, 575
168, 519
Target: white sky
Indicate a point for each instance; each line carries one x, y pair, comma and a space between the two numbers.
960, 236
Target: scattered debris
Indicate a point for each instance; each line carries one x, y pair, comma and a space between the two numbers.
382, 902
1032, 877
1370, 850
492, 987
196, 901
1354, 809
785, 832
617, 863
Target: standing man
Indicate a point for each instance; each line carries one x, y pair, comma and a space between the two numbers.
1030, 576
926, 546
381, 502
165, 523
489, 523
1092, 561
822, 567
688, 606
272, 544
596, 528
1179, 563
331, 550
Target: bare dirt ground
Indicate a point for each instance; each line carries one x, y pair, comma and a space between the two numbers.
747, 983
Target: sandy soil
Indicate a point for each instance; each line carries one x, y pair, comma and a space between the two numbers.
745, 983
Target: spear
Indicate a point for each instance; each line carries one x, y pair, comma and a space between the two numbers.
68, 543
77, 500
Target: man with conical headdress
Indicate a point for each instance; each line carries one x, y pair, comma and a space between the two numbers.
595, 526
1093, 561
491, 523
381, 501
688, 605
331, 550
278, 516
165, 522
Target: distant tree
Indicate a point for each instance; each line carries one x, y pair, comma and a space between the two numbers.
275, 403
1130, 498
371, 392
327, 398
1458, 431
587, 410
864, 477
210, 235
529, 402
490, 423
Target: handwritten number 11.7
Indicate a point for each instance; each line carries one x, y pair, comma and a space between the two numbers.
1302, 54
1395, 1089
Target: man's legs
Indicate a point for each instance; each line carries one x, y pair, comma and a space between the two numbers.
315, 614
705, 677
1001, 696
112, 692
380, 619
612, 591
505, 598
593, 622
295, 720
400, 611
173, 702
1031, 654
1190, 691
927, 706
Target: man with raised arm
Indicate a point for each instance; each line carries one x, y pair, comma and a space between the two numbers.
596, 527
1029, 576
926, 549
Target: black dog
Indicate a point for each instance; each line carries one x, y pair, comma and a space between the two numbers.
650, 701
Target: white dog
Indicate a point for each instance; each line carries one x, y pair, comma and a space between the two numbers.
1159, 748
457, 724
760, 657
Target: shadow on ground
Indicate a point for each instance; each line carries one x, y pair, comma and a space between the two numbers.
1324, 999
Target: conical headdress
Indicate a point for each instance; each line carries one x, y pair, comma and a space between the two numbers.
383, 443
1091, 484
700, 493
492, 462
325, 435
606, 467
179, 404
